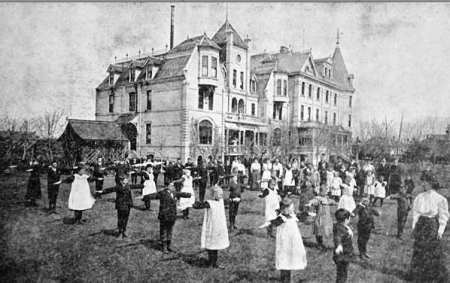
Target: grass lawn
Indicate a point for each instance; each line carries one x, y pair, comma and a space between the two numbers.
37, 247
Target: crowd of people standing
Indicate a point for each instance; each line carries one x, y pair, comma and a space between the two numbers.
355, 189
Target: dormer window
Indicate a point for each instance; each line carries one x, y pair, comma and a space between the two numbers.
111, 78
326, 72
132, 75
149, 72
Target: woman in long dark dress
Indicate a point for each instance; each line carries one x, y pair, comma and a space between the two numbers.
34, 185
430, 216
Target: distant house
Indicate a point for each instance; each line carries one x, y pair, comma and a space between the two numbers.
84, 140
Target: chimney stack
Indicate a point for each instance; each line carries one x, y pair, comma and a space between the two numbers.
172, 12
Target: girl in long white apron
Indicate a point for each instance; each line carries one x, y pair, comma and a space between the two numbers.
272, 204
214, 235
290, 252
186, 203
80, 197
149, 186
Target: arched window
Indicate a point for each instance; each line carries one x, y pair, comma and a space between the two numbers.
234, 108
205, 129
276, 137
241, 106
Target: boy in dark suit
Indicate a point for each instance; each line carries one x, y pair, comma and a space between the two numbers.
124, 202
365, 224
404, 201
167, 213
53, 176
342, 238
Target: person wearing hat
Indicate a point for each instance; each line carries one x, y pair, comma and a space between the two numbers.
430, 216
167, 213
80, 198
366, 224
290, 253
53, 176
214, 235
124, 202
34, 185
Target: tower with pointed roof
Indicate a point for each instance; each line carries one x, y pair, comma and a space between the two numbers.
209, 97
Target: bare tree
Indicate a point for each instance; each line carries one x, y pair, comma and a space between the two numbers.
49, 125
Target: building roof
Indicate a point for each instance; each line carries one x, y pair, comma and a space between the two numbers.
173, 67
340, 72
95, 130
221, 36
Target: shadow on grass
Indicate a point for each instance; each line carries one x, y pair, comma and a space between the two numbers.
401, 274
195, 260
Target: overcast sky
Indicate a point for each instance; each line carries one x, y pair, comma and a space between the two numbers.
55, 54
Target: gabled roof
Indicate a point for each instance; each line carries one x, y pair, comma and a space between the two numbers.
206, 42
221, 36
173, 67
94, 130
186, 46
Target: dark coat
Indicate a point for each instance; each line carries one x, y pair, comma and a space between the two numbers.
34, 184
342, 237
366, 220
124, 198
168, 203
53, 176
383, 170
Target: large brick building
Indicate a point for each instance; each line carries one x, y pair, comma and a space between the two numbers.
210, 96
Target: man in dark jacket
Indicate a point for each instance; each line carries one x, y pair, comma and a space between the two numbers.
167, 213
124, 202
202, 172
395, 178
53, 176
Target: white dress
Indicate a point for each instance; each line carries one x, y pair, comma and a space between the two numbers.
369, 187
265, 179
80, 197
187, 188
149, 185
380, 190
290, 252
214, 230
347, 202
288, 178
336, 186
272, 203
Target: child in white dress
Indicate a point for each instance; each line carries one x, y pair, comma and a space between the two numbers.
290, 252
380, 190
369, 188
336, 187
149, 186
272, 203
186, 203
